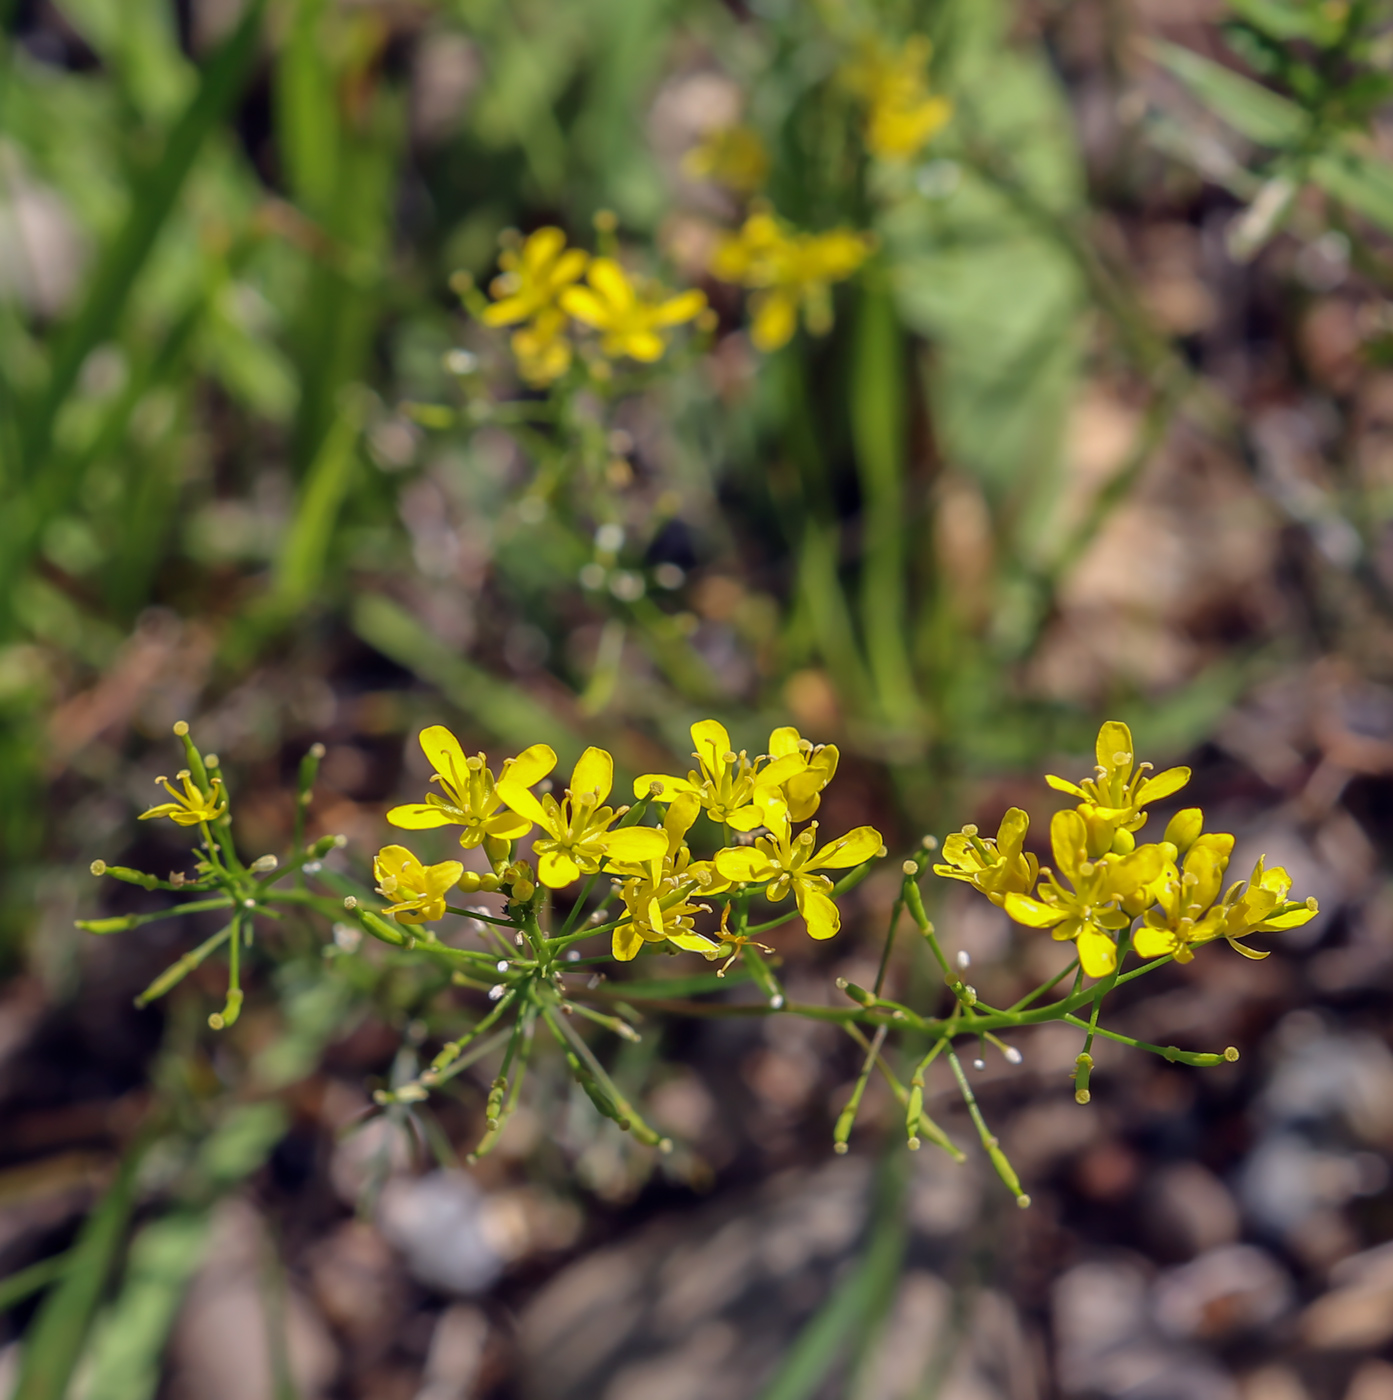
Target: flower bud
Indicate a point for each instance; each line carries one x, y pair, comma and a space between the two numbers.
1183, 829
262, 864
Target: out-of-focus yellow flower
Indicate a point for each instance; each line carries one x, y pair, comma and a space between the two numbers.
577, 835
998, 865
1089, 909
630, 318
470, 798
789, 863
527, 290
417, 891
533, 277
724, 781
902, 115
1184, 896
1112, 802
657, 893
732, 156
788, 272
189, 807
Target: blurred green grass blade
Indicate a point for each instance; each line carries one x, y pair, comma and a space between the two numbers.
152, 199
1248, 107
18, 1286
878, 411
130, 1338
55, 1339
304, 555
858, 1302
1363, 182
505, 710
306, 117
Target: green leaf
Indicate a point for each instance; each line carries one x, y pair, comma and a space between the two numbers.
985, 269
1363, 182
1248, 107
55, 1339
510, 713
129, 1339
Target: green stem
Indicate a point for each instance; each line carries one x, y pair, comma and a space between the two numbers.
999, 1160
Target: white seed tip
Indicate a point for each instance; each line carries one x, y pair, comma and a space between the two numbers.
503, 965
1013, 1056
979, 1064
929, 843
1023, 1202
181, 727
98, 867
495, 992
964, 959
839, 1148
777, 1001
914, 1144
1082, 1096
317, 750
910, 867
216, 1021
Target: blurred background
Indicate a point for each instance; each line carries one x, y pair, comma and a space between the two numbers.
1101, 428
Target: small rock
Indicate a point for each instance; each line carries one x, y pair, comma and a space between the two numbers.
1235, 1288
1372, 1381
456, 1354
1190, 1210
438, 1223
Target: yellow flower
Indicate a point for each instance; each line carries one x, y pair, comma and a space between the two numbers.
724, 781
1182, 914
1089, 910
809, 767
656, 892
189, 807
542, 349
1263, 907
788, 862
527, 290
470, 798
628, 318
998, 865
902, 116
577, 829
533, 277
1112, 801
732, 156
788, 272
418, 891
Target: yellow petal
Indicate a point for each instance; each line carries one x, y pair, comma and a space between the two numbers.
784, 741
668, 788
531, 765
419, 816
1114, 749
646, 346
556, 869
680, 817
1097, 952
612, 283
1064, 785
693, 943
1162, 785
569, 266
776, 318
626, 942
747, 818
745, 863
678, 309
818, 911
542, 247
507, 826
635, 845
1031, 912
851, 849
593, 776
585, 306
1069, 839
1156, 942
712, 742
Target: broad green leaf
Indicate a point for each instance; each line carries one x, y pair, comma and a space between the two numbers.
983, 268
1248, 107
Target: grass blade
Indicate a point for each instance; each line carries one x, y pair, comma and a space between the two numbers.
152, 199
54, 1341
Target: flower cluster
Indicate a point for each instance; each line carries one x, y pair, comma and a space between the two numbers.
902, 115
539, 291
1169, 894
579, 834
789, 271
